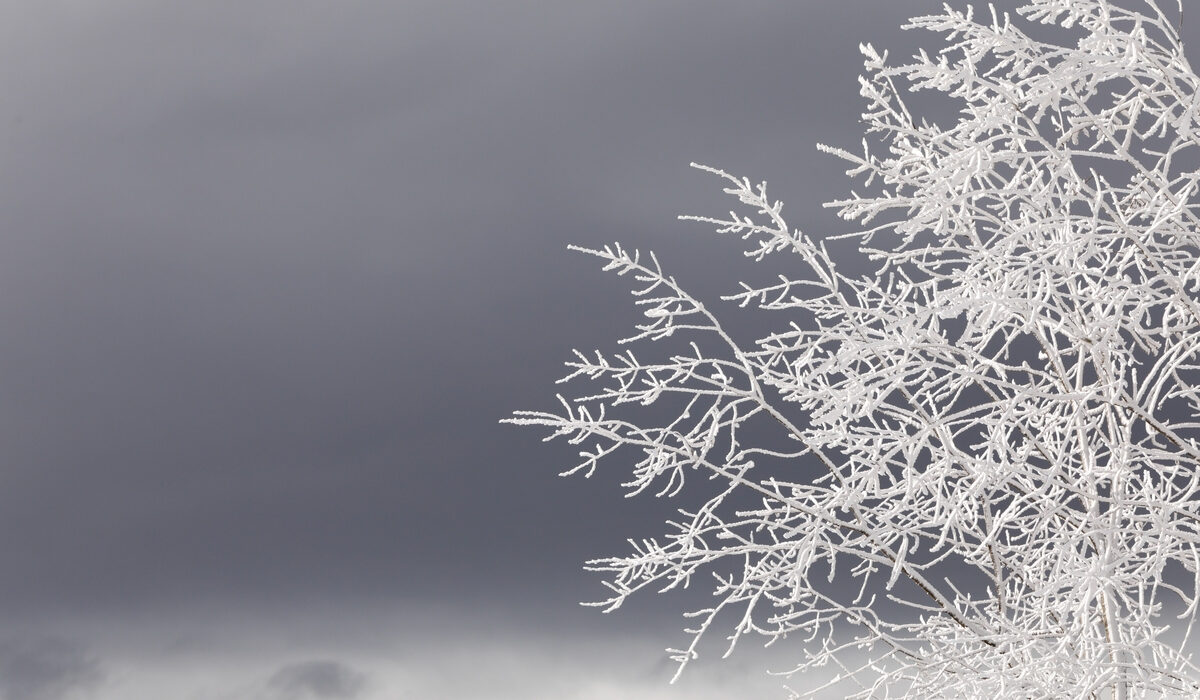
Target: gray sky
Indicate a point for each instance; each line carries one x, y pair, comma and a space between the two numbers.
270, 272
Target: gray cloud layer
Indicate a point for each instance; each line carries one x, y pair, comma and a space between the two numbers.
270, 272
46, 668
321, 679
270, 275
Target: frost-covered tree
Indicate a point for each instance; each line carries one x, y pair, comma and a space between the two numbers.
983, 478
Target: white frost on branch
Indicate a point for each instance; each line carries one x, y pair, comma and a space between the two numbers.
987, 482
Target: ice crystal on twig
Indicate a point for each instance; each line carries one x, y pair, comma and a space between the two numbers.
986, 477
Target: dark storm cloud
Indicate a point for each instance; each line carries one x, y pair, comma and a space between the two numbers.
318, 680
269, 276
46, 668
270, 272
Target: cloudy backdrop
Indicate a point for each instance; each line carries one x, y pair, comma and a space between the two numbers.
271, 271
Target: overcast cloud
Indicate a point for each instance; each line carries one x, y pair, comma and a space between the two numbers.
270, 272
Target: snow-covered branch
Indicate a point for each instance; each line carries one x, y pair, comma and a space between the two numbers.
975, 471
